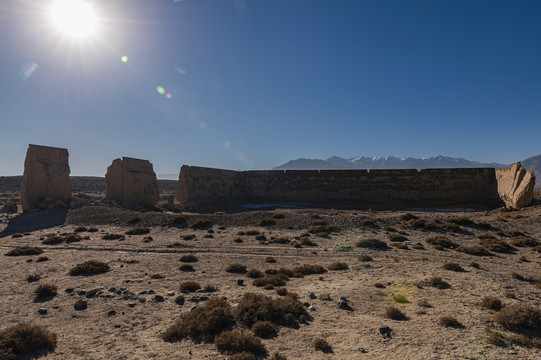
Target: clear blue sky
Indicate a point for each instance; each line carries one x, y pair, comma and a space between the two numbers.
255, 83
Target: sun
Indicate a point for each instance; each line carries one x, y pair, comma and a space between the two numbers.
76, 19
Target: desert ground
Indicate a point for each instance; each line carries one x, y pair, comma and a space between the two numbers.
129, 307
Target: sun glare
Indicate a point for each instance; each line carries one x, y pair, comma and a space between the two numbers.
74, 18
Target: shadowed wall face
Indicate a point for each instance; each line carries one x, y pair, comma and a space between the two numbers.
46, 177
132, 182
432, 187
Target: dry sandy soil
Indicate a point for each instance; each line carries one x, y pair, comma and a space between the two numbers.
141, 270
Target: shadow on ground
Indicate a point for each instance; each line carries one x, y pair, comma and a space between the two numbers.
34, 221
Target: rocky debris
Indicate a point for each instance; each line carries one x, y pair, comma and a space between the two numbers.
325, 297
158, 298
80, 305
312, 308
343, 303
111, 312
385, 331
240, 282
515, 186
42, 311
179, 300
69, 290
132, 182
9, 208
91, 293
45, 182
310, 295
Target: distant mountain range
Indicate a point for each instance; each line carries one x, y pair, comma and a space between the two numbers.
391, 162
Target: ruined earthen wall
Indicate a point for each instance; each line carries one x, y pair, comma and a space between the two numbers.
431, 187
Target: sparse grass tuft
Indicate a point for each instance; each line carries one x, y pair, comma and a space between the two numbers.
46, 291
524, 241
437, 282
91, 267
372, 244
453, 267
395, 314
264, 329
441, 241
321, 345
24, 250
201, 224
401, 299
270, 260
138, 231
33, 278
491, 303
278, 216
267, 222
364, 258
189, 258
397, 238
113, 237
189, 286
476, 250
51, 240
238, 342
495, 245
252, 308
254, 274
236, 268
186, 267
25, 338
338, 265
449, 321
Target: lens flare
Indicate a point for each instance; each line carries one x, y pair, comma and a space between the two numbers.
124, 59
74, 18
183, 72
27, 70
168, 95
160, 90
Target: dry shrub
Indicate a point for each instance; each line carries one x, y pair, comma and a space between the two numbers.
91, 267
80, 229
189, 258
138, 231
495, 338
475, 265
483, 225
372, 244
186, 267
418, 246
281, 291
453, 267
338, 265
267, 222
264, 329
250, 232
46, 291
270, 280
421, 224
278, 356
242, 356
397, 238
476, 250
307, 242
379, 285
178, 220
521, 278
407, 217
365, 258
24, 250
401, 299
201, 224
33, 278
495, 245
449, 321
72, 238
437, 282
238, 240
188, 237
424, 303
236, 268
189, 286
317, 229
280, 240
254, 274
513, 233
309, 269
203, 323
52, 240
113, 237
321, 345
524, 241
461, 220
278, 216
537, 249
253, 308
133, 221
210, 288
485, 236
25, 338
491, 303
270, 259
238, 342
92, 230
520, 317
441, 241
260, 237
395, 314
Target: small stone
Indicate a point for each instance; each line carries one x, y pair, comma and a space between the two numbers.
179, 300
69, 290
91, 293
343, 298
132, 305
312, 308
111, 313
112, 289
143, 292
151, 292
310, 295
142, 300
171, 293
194, 299
81, 292
385, 331
342, 304
80, 305
306, 304
240, 282
42, 311
158, 298
203, 298
56, 307
325, 297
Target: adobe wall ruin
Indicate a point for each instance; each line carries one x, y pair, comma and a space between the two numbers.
428, 187
45, 182
132, 182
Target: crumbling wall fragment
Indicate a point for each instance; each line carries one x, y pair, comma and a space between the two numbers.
515, 185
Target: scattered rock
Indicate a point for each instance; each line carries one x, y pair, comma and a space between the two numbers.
158, 298
385, 331
179, 300
132, 305
240, 282
81, 292
325, 297
310, 295
80, 305
111, 313
312, 308
91, 293
42, 311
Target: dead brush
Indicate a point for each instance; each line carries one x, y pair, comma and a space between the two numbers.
254, 274
318, 229
286, 310
394, 314
441, 241
338, 265
278, 216
322, 345
437, 282
407, 217
421, 224
476, 250
280, 240
113, 237
72, 238
189, 286
493, 244
52, 240
236, 268
453, 267
233, 342
449, 321
264, 329
203, 323
24, 251
461, 220
33, 278
186, 267
189, 258
23, 338
491, 303
519, 318
449, 226
201, 224
524, 241
91, 267
188, 237
269, 281
45, 291
267, 222
397, 238
372, 244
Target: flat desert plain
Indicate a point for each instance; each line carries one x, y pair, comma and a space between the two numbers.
390, 284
